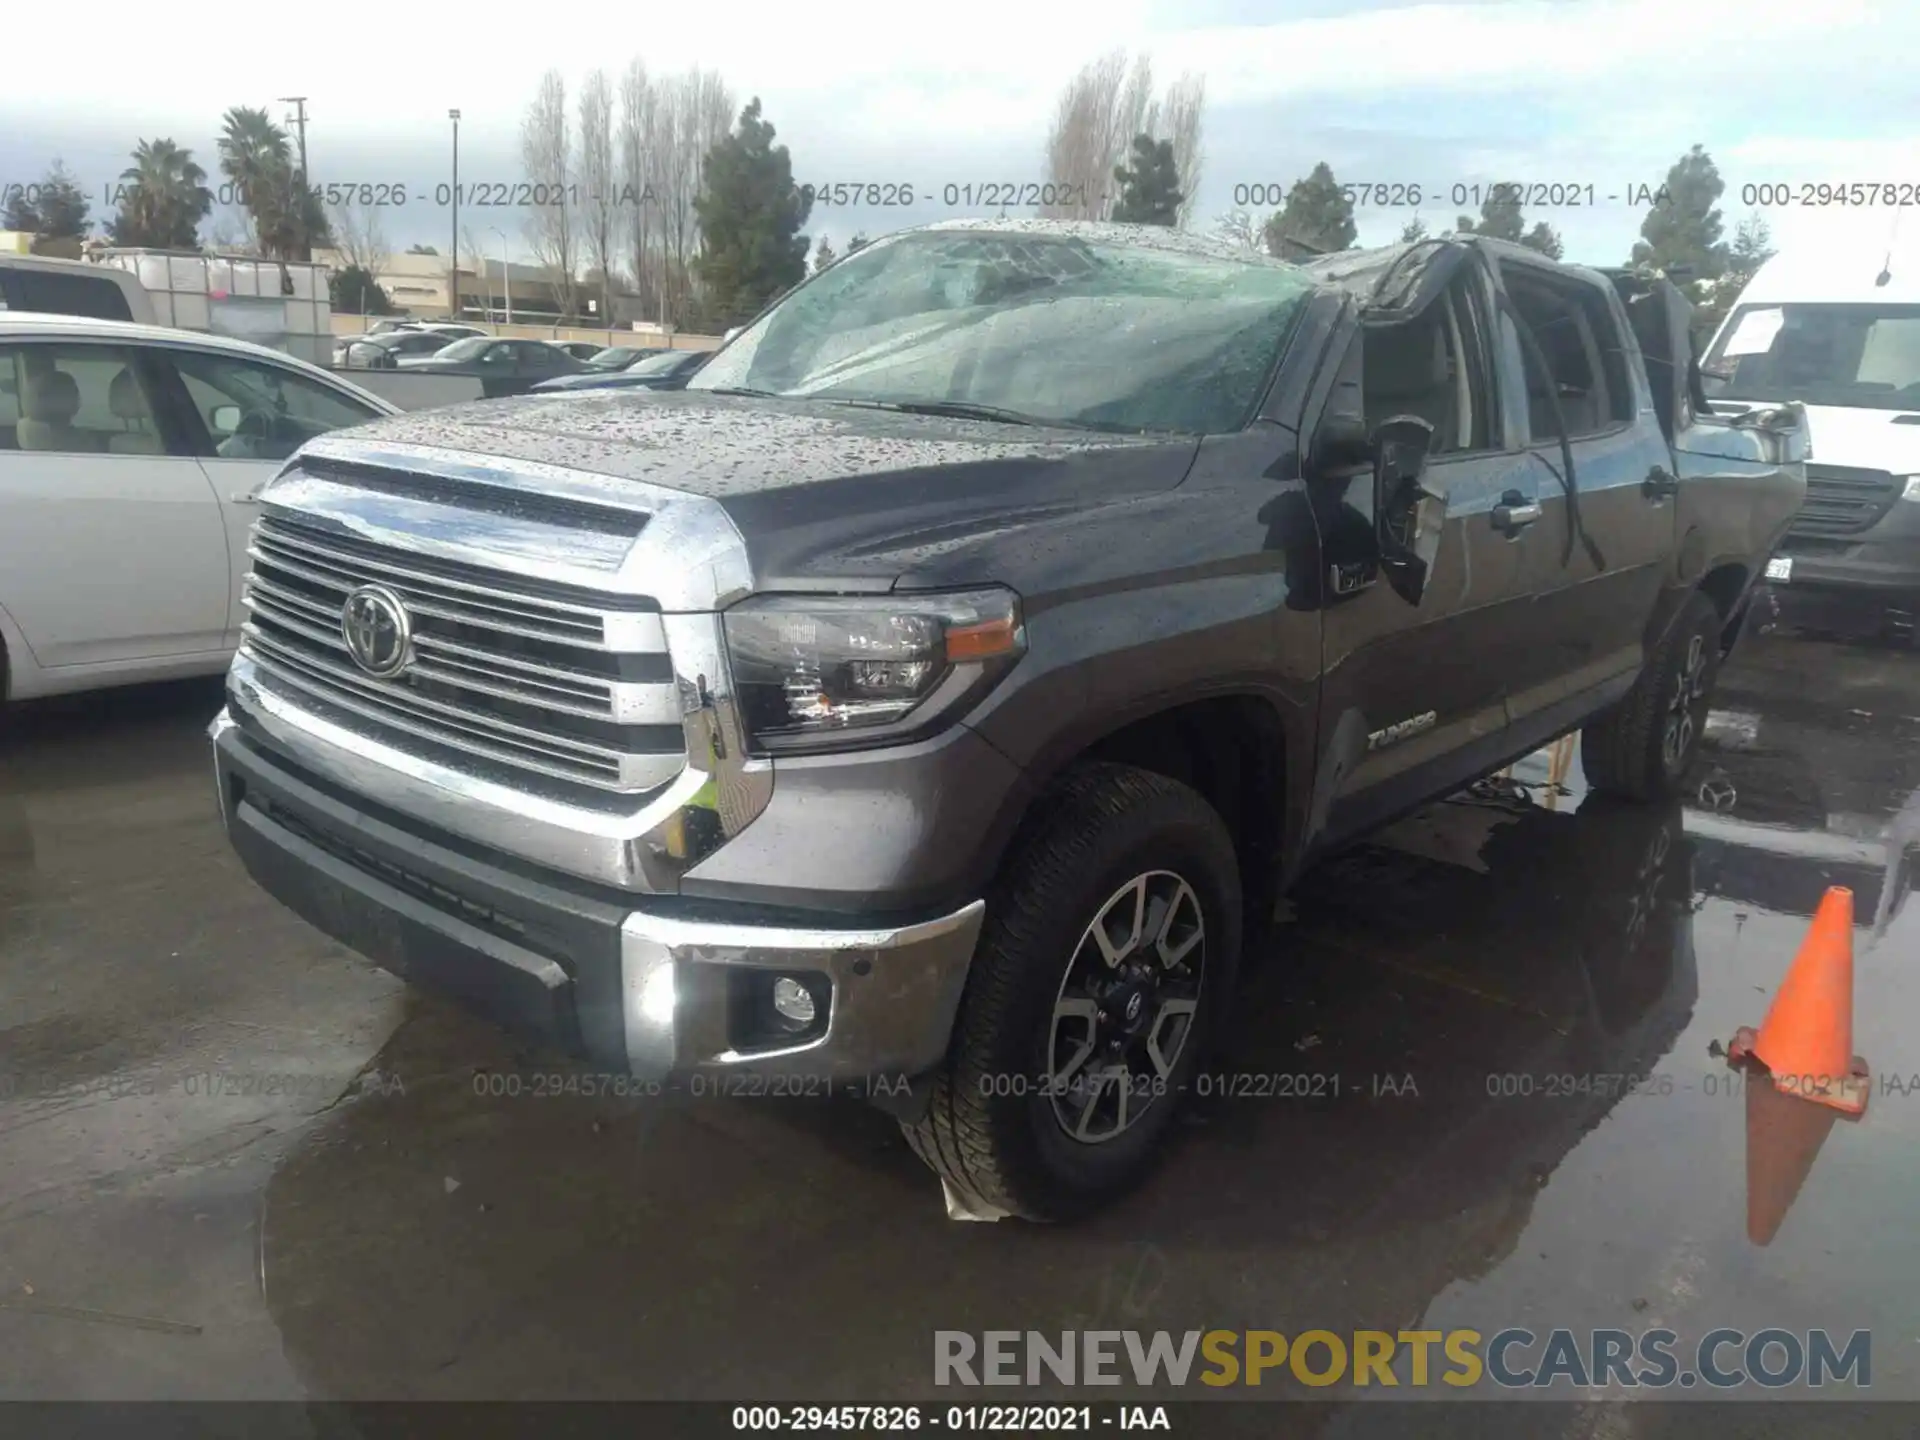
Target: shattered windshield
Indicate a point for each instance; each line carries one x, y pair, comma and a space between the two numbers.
1062, 329
1848, 355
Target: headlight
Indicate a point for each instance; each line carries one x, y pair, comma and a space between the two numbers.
825, 672
1912, 492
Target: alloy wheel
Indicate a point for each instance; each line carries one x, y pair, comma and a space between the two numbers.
1126, 1007
1686, 711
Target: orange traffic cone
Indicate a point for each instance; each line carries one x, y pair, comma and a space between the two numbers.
1784, 1137
1806, 1041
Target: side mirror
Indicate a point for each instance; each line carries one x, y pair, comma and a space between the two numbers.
1411, 517
226, 419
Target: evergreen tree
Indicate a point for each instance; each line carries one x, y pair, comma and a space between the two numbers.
1545, 239
1412, 231
857, 243
354, 291
1318, 216
750, 214
1150, 188
55, 209
1682, 231
1500, 219
823, 255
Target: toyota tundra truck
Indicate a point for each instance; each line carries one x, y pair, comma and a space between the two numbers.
934, 698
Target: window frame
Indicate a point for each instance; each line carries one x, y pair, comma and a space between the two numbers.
176, 439
179, 398
1581, 299
1476, 359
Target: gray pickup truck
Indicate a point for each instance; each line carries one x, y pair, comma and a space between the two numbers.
933, 698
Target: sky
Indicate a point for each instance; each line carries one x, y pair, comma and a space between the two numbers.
1598, 97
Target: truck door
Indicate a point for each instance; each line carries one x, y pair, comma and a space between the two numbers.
1597, 583
1413, 694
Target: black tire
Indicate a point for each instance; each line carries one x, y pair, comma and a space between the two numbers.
994, 1129
1641, 747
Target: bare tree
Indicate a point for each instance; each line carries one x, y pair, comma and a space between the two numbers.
639, 172
1182, 115
1100, 112
597, 184
1238, 227
1081, 147
546, 154
357, 234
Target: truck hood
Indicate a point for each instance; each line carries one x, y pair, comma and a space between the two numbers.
1854, 436
819, 491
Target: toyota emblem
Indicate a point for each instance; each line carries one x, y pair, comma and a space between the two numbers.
375, 626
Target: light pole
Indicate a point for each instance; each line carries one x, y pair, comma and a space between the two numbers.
453, 273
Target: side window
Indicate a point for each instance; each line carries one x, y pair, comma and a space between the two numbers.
499, 356
1586, 362
257, 411
1434, 367
57, 293
77, 399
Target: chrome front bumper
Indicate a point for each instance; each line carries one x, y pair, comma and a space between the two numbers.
642, 990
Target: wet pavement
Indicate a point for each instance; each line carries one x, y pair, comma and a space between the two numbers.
1475, 1083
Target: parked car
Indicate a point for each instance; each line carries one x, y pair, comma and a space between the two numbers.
129, 458
928, 698
668, 370
383, 352
505, 367
1840, 333
619, 357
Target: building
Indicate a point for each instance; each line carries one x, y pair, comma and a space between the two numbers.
490, 289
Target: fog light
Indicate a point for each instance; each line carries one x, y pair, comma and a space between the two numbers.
793, 1002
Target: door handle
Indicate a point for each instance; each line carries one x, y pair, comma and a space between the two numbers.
245, 497
1515, 512
1660, 483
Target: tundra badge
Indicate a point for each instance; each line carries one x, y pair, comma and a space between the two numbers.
1393, 734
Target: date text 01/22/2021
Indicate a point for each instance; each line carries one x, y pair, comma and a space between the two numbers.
1015, 1419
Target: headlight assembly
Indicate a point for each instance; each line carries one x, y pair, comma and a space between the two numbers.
824, 672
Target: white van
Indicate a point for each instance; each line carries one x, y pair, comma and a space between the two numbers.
1839, 332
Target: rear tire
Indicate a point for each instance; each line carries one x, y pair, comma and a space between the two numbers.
1073, 1004
1642, 747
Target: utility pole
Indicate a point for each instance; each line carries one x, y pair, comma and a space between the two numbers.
299, 102
453, 273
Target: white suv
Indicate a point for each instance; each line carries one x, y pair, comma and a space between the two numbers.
129, 456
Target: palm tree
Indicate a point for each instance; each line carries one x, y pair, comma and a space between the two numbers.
163, 198
255, 156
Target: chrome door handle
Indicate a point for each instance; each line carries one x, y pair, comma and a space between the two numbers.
1660, 483
1513, 514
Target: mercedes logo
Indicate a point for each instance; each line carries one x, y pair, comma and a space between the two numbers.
374, 624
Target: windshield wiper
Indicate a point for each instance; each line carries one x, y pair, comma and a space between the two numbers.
746, 390
960, 410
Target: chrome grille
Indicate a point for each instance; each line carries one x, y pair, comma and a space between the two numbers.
559, 684
1842, 500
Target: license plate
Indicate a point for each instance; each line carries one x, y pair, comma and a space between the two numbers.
1780, 568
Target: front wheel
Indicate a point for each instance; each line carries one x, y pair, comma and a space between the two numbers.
1109, 947
1642, 747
